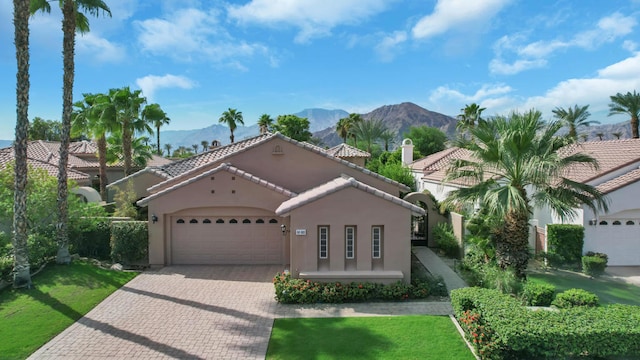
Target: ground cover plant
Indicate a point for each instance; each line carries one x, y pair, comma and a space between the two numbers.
60, 295
607, 290
399, 337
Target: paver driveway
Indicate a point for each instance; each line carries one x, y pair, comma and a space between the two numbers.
198, 312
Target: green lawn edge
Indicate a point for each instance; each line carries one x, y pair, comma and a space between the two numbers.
60, 295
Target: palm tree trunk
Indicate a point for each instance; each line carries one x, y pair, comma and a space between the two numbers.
21, 268
102, 160
232, 137
512, 242
634, 127
158, 139
126, 146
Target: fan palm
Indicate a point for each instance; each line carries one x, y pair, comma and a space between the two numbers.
154, 114
470, 116
574, 118
517, 163
205, 145
232, 118
168, 147
141, 152
369, 131
628, 103
73, 19
21, 268
265, 123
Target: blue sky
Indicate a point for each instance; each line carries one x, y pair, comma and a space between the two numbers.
198, 58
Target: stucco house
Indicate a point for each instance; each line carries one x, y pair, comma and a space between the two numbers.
273, 200
615, 233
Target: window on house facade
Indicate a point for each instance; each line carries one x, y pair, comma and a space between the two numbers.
616, 223
206, 221
376, 242
273, 221
193, 221
180, 221
259, 221
350, 241
219, 221
233, 221
323, 242
630, 222
603, 223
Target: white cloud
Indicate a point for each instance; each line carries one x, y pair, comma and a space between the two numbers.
195, 35
485, 92
102, 49
388, 46
535, 54
457, 14
313, 18
150, 83
629, 45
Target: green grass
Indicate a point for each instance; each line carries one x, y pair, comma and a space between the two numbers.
61, 295
400, 337
609, 291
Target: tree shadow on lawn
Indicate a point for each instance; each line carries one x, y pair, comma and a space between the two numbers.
301, 339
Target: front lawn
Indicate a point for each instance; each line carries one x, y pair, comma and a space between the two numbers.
609, 291
61, 295
399, 337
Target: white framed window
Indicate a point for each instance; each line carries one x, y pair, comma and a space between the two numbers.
350, 242
376, 242
323, 242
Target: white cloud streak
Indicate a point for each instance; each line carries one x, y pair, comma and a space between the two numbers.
150, 83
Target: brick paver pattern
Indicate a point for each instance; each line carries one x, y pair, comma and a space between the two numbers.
198, 312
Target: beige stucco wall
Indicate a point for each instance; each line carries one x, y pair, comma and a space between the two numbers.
351, 206
140, 185
232, 195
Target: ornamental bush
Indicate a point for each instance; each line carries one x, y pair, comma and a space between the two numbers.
516, 332
564, 244
575, 297
301, 291
129, 242
446, 240
594, 265
534, 294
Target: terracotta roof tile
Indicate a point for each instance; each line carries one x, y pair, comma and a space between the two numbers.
336, 185
620, 181
347, 151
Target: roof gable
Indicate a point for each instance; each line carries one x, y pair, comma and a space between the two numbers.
336, 185
347, 151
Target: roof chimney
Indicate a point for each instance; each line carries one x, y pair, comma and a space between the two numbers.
407, 151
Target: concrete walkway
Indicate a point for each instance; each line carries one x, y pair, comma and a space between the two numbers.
437, 267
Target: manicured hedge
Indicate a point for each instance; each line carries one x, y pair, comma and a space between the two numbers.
594, 265
535, 294
300, 291
512, 331
92, 239
129, 242
564, 243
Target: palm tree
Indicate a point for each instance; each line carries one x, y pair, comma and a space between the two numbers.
73, 19
342, 128
516, 164
265, 122
140, 151
195, 148
600, 135
353, 120
21, 268
628, 103
369, 131
388, 137
205, 145
168, 148
470, 116
574, 118
617, 134
232, 118
153, 113
90, 119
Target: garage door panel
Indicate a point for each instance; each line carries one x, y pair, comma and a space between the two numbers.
244, 242
619, 242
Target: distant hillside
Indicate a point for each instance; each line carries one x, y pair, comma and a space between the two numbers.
398, 118
321, 118
607, 131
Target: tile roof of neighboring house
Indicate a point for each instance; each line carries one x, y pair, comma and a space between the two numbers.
193, 164
223, 167
344, 151
52, 170
338, 184
620, 181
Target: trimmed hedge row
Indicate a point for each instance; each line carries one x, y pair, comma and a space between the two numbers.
565, 243
130, 242
300, 291
512, 331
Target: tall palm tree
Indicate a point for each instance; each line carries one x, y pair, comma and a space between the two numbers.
195, 148
73, 19
154, 114
141, 152
168, 148
265, 123
90, 119
369, 131
205, 145
574, 118
232, 118
21, 268
628, 103
600, 135
342, 128
353, 120
388, 137
617, 134
516, 164
470, 115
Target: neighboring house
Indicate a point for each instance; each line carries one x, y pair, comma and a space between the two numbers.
616, 233
349, 153
273, 200
83, 166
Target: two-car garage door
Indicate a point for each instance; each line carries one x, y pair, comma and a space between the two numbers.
226, 240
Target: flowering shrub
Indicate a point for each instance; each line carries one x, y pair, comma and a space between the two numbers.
300, 291
478, 333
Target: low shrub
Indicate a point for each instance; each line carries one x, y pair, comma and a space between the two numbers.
289, 290
594, 265
512, 331
92, 239
565, 243
446, 240
575, 297
488, 275
129, 242
598, 254
534, 294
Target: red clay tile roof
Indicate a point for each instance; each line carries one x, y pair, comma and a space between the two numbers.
338, 184
347, 151
620, 181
